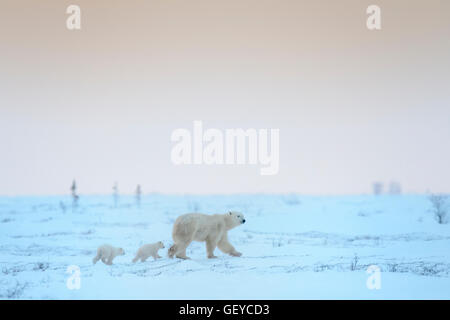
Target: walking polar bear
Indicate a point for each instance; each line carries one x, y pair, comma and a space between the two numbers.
107, 253
149, 250
212, 229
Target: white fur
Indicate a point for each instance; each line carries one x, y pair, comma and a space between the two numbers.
107, 253
148, 250
212, 229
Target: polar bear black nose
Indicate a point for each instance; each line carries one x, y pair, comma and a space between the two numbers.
243, 221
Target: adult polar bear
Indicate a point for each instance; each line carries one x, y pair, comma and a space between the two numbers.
212, 229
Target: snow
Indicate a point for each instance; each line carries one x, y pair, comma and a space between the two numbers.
294, 247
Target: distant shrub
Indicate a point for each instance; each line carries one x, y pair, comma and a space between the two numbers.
354, 263
377, 188
439, 207
41, 266
432, 270
194, 206
277, 243
14, 292
395, 188
11, 271
362, 214
393, 267
291, 200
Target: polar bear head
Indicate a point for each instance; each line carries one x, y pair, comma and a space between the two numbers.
235, 219
160, 245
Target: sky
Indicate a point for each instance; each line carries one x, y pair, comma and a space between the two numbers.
99, 105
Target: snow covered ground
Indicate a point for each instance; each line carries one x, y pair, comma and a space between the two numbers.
294, 247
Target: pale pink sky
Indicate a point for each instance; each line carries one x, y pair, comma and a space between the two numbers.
353, 106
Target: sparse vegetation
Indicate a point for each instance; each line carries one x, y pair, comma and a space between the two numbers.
277, 243
377, 188
41, 266
354, 263
62, 206
14, 292
322, 267
11, 271
395, 188
430, 270
393, 267
75, 196
439, 207
194, 206
138, 195
291, 200
116, 194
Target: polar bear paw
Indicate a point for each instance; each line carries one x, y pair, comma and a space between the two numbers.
236, 254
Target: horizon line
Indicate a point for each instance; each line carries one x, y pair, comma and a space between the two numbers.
222, 194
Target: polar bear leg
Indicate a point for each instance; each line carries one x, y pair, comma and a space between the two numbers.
181, 251
98, 256
144, 257
138, 256
155, 256
210, 246
109, 259
227, 248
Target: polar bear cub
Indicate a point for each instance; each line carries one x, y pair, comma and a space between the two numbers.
107, 253
148, 250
